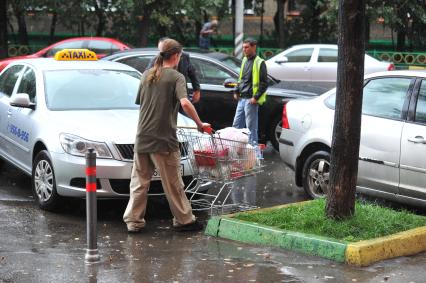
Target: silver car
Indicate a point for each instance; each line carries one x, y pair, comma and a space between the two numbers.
392, 161
315, 63
52, 111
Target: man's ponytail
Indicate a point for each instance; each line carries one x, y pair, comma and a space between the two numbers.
170, 47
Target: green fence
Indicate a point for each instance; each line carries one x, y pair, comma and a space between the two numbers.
400, 59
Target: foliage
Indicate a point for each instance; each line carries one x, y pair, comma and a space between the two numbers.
183, 19
407, 17
370, 221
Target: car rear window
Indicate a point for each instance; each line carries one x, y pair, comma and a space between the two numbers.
91, 89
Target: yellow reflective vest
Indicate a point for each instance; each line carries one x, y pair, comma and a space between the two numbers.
255, 77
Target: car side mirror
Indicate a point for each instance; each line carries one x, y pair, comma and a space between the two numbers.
284, 59
230, 83
21, 100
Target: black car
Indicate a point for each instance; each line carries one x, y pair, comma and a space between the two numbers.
217, 105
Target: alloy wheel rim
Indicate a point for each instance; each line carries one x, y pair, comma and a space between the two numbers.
43, 180
278, 130
319, 177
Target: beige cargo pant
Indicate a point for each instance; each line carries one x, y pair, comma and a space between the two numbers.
168, 165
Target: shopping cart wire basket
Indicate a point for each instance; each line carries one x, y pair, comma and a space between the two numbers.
220, 161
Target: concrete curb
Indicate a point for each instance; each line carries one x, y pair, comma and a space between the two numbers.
409, 242
361, 253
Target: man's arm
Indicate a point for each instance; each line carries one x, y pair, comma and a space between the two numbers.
138, 95
192, 113
186, 104
192, 74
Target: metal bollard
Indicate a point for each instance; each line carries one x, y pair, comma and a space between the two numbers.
92, 255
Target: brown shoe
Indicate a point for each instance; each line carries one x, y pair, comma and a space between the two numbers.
133, 229
194, 226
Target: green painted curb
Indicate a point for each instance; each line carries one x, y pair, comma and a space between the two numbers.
362, 253
249, 232
213, 226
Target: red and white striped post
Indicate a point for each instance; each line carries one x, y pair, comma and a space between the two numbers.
92, 255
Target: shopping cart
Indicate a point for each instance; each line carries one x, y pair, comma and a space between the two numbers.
219, 161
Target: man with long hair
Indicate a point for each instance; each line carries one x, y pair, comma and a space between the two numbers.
161, 91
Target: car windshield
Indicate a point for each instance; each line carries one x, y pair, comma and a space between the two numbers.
232, 63
91, 89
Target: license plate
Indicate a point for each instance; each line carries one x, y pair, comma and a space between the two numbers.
156, 174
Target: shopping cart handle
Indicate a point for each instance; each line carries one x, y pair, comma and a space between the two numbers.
207, 129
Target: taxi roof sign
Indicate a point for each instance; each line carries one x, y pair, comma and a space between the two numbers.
75, 55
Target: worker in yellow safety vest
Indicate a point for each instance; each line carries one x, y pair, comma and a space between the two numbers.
251, 91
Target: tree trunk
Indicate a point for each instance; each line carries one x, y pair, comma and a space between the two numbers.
53, 27
22, 26
3, 29
233, 22
279, 23
315, 23
81, 29
100, 13
401, 29
261, 24
347, 118
144, 27
367, 31
400, 39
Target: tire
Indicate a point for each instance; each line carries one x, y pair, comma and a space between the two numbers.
275, 132
316, 174
44, 183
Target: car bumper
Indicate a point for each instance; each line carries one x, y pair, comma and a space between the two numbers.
287, 148
113, 176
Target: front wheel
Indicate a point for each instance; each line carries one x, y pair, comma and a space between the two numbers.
316, 174
44, 183
275, 132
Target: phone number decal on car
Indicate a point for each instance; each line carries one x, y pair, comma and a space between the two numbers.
14, 130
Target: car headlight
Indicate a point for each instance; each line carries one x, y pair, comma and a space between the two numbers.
78, 146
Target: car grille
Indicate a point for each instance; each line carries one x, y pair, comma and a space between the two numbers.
126, 150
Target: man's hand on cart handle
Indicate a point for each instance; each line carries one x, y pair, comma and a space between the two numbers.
205, 128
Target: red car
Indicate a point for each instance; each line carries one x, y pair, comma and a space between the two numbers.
102, 46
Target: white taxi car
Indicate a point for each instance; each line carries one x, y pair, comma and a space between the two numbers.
52, 111
392, 152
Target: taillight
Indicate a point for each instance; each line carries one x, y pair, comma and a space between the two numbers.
391, 67
284, 118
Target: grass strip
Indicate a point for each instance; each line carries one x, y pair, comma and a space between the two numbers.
370, 221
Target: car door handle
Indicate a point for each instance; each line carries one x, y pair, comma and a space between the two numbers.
306, 68
9, 112
417, 139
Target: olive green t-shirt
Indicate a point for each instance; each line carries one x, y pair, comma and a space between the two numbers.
159, 105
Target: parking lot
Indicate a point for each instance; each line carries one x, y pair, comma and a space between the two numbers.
39, 246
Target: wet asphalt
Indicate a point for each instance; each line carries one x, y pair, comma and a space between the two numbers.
40, 246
